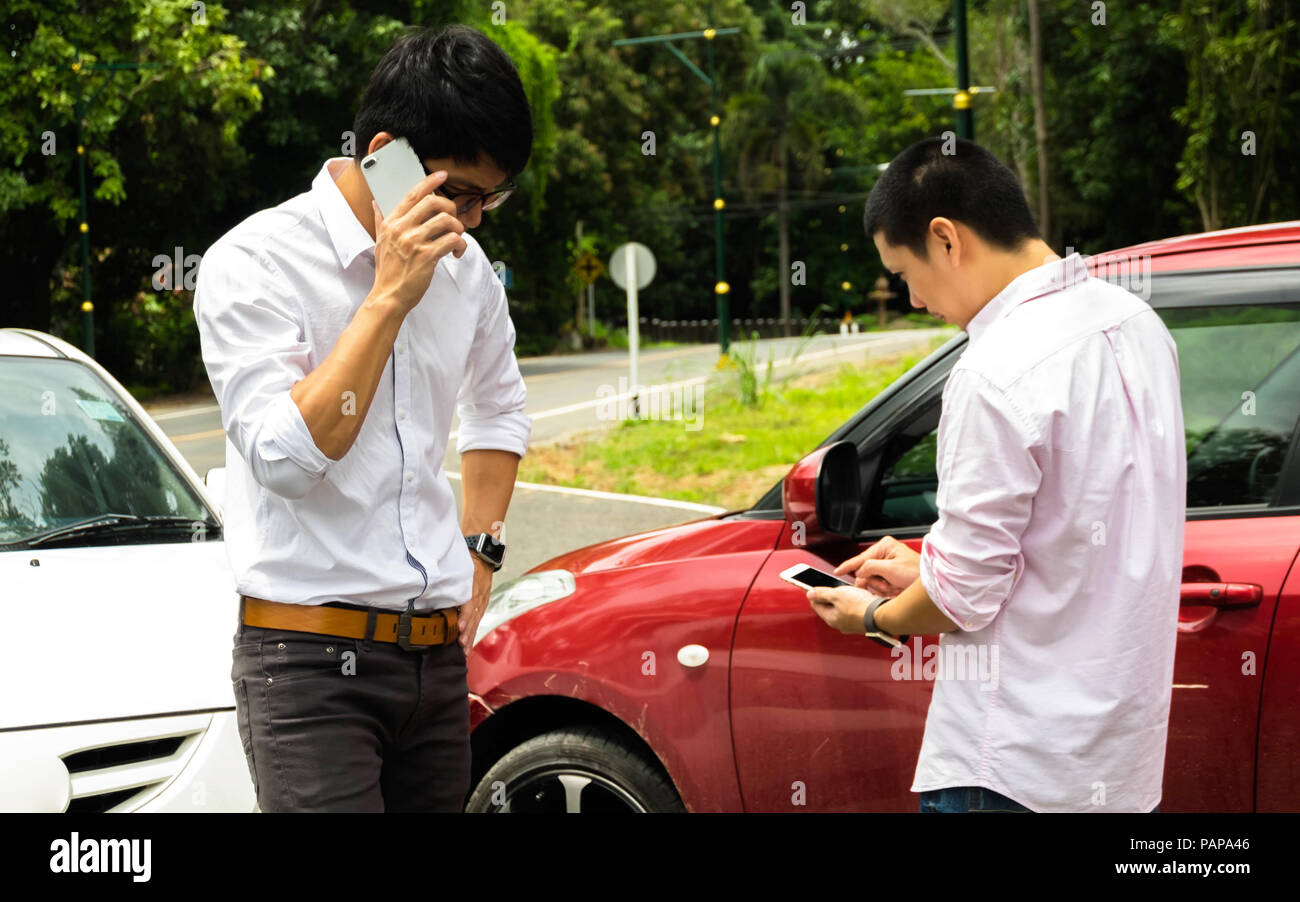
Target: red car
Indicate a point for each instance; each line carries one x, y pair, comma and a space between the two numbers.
674, 670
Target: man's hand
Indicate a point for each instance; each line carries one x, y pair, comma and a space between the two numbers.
886, 568
842, 609
471, 612
408, 244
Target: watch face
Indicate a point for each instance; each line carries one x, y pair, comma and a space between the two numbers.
487, 548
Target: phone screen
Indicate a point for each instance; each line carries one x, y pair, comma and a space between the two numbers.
811, 576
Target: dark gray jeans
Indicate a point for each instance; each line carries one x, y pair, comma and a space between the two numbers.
334, 724
963, 799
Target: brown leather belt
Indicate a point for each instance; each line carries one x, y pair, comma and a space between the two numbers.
410, 632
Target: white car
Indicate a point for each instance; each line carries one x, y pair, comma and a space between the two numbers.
117, 603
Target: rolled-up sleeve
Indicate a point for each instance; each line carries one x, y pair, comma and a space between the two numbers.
988, 476
254, 347
491, 399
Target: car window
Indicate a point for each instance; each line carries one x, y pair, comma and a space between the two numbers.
1240, 374
70, 450
1240, 371
908, 482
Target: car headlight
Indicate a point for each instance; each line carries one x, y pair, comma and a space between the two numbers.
529, 591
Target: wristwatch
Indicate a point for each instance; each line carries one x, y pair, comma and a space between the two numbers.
487, 549
875, 633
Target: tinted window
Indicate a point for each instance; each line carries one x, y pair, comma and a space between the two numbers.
908, 483
1240, 371
70, 450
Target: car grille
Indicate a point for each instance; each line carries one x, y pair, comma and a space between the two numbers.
138, 760
95, 771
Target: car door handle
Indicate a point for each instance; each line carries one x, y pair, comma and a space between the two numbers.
1221, 595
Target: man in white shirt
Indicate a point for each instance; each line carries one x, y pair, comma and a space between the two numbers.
339, 343
1062, 486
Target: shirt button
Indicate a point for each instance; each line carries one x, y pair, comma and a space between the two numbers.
410, 477
401, 414
401, 350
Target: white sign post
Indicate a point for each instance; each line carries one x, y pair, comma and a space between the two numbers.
632, 267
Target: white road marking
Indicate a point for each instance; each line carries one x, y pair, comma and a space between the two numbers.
614, 496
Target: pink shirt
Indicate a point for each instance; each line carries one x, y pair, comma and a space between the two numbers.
1058, 549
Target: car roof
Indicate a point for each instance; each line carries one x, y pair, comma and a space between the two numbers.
1272, 244
25, 343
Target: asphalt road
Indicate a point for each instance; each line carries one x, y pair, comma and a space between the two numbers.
576, 392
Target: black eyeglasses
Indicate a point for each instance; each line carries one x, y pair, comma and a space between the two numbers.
490, 200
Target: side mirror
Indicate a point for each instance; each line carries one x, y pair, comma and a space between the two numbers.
824, 492
215, 481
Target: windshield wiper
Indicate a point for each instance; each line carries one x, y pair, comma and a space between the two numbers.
111, 523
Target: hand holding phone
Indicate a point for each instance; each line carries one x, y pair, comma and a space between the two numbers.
809, 578
419, 229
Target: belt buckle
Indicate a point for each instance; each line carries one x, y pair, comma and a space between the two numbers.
404, 633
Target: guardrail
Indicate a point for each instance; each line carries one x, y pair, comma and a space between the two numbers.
705, 331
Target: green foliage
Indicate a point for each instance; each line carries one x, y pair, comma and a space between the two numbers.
1145, 116
752, 390
1240, 110
744, 357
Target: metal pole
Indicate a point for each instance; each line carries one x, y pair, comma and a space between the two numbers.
87, 308
961, 100
577, 317
633, 335
720, 287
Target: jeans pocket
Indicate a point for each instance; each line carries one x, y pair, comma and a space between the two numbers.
288, 657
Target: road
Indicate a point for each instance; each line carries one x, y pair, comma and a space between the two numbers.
568, 393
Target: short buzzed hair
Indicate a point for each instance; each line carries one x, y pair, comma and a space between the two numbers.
968, 185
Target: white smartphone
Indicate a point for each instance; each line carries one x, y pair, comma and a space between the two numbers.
806, 577
391, 172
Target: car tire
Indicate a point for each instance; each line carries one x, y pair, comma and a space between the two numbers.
582, 767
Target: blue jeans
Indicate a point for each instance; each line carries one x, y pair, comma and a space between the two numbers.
964, 799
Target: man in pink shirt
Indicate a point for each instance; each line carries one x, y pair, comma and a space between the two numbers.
1062, 494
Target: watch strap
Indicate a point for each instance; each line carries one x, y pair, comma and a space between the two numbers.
869, 616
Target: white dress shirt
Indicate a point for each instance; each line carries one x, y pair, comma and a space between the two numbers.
1058, 549
379, 526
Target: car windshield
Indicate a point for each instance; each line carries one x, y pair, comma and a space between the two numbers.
71, 451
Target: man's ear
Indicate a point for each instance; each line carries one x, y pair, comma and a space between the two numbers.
944, 231
378, 141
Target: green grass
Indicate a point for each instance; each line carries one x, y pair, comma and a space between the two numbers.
738, 452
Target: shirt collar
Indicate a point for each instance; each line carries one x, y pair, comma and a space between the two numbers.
349, 237
1032, 283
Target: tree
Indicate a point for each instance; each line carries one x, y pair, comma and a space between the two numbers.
188, 108
1243, 85
779, 129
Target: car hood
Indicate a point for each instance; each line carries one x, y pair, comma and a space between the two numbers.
699, 538
114, 632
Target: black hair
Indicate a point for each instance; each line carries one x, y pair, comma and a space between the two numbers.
968, 185
452, 93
